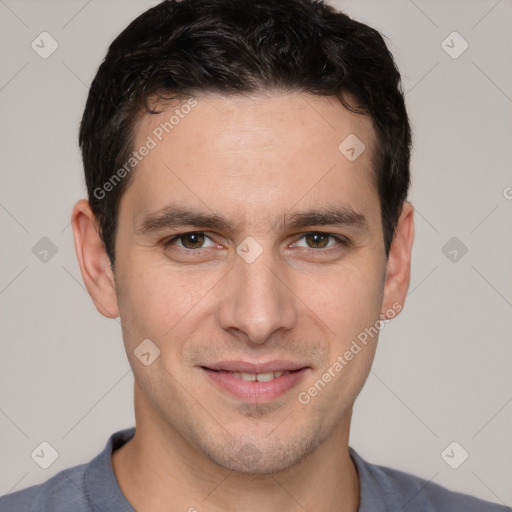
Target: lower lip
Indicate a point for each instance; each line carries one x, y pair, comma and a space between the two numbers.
254, 391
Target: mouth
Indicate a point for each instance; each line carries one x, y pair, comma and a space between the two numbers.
259, 377
255, 383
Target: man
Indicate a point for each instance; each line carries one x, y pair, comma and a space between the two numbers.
247, 166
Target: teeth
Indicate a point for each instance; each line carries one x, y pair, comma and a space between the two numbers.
264, 377
260, 377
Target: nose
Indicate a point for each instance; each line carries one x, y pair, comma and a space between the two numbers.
257, 300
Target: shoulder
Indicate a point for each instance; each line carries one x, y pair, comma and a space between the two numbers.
417, 492
84, 488
397, 490
63, 492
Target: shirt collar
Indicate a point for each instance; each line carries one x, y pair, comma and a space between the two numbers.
101, 487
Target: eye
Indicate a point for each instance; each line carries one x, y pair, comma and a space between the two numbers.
319, 240
195, 240
192, 240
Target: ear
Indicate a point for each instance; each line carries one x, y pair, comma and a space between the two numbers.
398, 267
94, 262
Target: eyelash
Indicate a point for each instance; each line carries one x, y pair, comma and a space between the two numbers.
344, 242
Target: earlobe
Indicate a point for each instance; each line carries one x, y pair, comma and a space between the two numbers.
398, 268
93, 260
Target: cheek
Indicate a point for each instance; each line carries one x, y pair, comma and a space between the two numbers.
160, 298
347, 298
349, 304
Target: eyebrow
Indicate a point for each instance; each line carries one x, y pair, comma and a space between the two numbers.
173, 216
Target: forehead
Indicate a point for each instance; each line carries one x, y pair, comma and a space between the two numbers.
253, 122
248, 155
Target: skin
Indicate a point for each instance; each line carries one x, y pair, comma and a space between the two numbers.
253, 160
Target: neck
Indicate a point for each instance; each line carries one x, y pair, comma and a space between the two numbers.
158, 470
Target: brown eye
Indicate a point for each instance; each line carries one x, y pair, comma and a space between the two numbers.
317, 240
192, 240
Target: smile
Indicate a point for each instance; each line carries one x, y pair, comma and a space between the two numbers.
255, 387
260, 377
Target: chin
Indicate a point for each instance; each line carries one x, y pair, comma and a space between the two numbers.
260, 456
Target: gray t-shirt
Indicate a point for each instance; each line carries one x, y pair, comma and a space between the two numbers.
93, 487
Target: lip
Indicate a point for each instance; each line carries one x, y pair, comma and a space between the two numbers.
254, 391
270, 366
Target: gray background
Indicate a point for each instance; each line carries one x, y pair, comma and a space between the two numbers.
442, 370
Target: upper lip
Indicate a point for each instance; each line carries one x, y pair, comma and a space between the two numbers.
246, 367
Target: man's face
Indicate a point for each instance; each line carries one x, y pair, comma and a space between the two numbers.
256, 289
